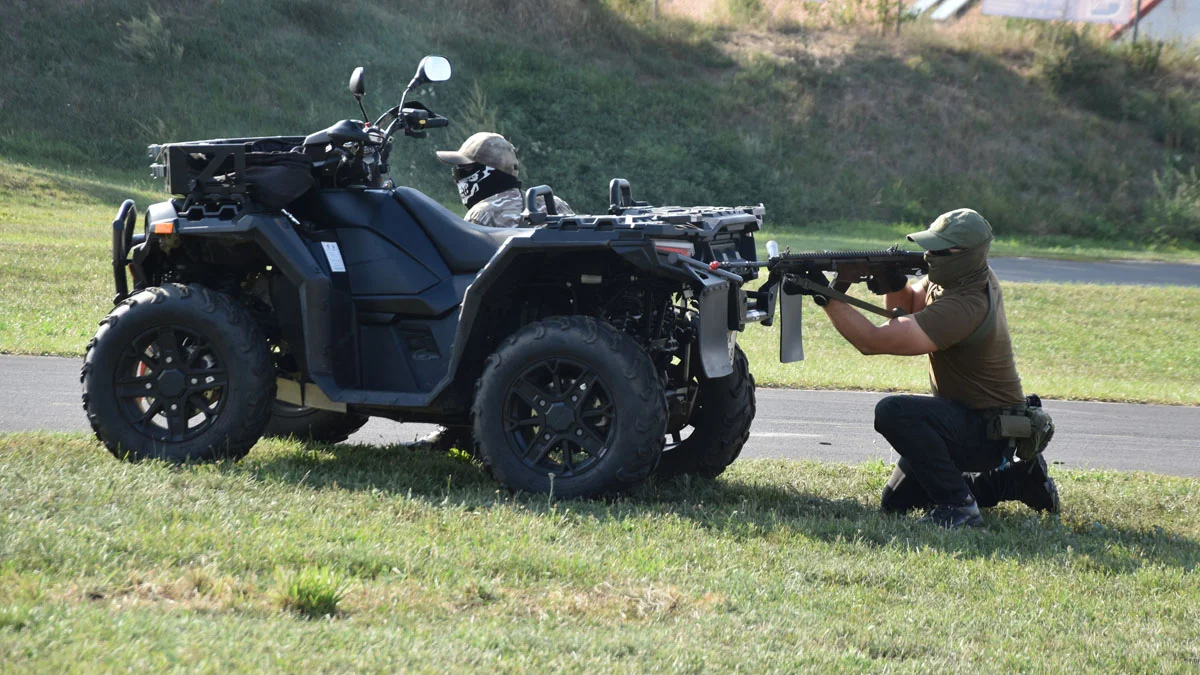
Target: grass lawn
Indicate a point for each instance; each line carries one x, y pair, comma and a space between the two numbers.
55, 253
1073, 341
378, 558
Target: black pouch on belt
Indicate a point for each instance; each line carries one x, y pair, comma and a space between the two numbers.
1028, 428
1041, 429
1010, 426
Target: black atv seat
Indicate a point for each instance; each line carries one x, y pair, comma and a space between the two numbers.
466, 247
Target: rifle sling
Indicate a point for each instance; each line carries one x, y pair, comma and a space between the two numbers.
834, 294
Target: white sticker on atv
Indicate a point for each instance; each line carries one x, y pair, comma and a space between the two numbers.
334, 255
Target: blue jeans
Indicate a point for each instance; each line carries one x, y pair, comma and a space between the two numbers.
945, 455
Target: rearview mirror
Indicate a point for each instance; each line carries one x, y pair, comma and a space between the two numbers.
356, 82
433, 69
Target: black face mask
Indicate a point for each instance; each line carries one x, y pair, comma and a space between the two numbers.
956, 270
477, 182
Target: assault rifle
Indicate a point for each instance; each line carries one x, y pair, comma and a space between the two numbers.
794, 271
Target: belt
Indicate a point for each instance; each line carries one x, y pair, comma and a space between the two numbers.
1016, 409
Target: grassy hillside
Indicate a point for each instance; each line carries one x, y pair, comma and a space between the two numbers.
1045, 131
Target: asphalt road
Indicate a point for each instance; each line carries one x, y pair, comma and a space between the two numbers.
43, 393
1127, 273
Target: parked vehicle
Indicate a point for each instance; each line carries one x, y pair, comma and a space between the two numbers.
289, 286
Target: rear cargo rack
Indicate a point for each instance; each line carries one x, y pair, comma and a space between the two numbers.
627, 214
212, 170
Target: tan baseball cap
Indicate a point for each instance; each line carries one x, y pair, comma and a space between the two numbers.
483, 148
964, 228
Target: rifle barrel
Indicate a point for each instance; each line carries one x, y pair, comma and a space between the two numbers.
846, 255
897, 254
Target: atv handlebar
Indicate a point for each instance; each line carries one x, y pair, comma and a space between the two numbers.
413, 120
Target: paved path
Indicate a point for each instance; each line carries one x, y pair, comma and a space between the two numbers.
43, 393
1120, 272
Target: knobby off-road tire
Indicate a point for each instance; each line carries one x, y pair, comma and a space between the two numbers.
182, 346
311, 424
720, 424
571, 406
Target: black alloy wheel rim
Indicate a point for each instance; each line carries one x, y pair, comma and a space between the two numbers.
170, 384
675, 438
678, 436
560, 417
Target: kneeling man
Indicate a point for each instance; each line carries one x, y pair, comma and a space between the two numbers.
949, 462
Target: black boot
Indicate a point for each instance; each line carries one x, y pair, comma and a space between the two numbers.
953, 516
903, 493
1037, 489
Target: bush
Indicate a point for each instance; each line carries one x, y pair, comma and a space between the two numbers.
1076, 64
1144, 57
148, 40
1131, 81
1173, 117
311, 592
745, 11
1173, 214
477, 114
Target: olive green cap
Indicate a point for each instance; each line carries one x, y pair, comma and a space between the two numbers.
963, 228
484, 148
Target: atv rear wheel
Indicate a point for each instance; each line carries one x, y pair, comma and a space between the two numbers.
311, 424
571, 406
719, 425
178, 373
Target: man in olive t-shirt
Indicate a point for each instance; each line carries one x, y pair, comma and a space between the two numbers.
956, 316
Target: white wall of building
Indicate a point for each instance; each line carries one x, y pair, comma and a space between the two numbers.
1172, 20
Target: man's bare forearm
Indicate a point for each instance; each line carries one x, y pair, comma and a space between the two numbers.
902, 336
856, 328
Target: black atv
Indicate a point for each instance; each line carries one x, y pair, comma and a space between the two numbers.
290, 287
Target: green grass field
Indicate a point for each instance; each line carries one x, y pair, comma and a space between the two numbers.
423, 565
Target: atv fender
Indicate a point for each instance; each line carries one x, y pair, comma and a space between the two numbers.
716, 338
287, 252
722, 308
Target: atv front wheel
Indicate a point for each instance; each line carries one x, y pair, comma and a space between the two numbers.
311, 424
178, 373
719, 425
569, 405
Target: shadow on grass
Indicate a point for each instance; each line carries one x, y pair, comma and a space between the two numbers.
737, 508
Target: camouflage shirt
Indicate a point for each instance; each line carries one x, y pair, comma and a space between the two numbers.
503, 209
